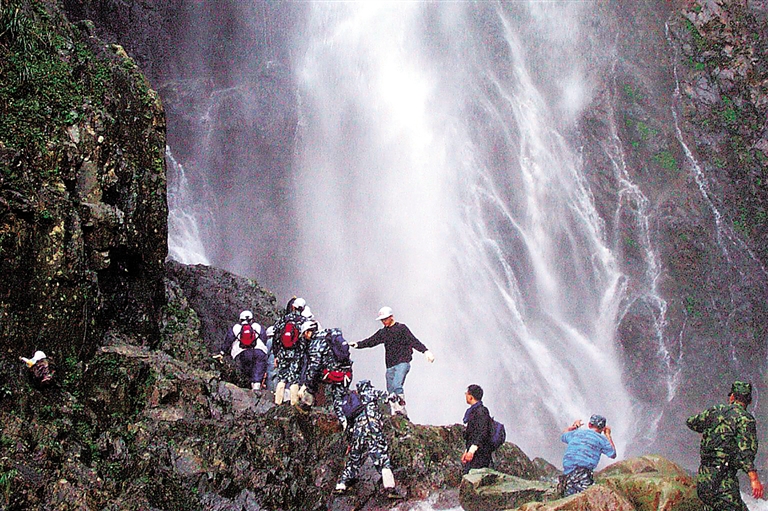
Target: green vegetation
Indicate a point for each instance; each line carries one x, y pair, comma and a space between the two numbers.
666, 160
698, 39
645, 131
632, 93
693, 307
46, 79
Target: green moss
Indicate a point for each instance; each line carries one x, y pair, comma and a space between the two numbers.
666, 160
698, 39
645, 131
46, 78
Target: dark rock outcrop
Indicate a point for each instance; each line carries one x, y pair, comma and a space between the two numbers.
218, 297
136, 428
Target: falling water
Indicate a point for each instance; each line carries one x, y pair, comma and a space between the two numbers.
434, 140
184, 239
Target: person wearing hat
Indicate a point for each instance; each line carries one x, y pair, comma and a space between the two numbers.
399, 344
40, 369
366, 436
585, 446
290, 359
246, 343
728, 444
328, 364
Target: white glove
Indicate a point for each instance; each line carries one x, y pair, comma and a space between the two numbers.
352, 344
302, 391
429, 356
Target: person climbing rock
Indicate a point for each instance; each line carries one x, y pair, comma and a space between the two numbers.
329, 364
728, 444
41, 369
399, 344
477, 435
290, 350
585, 446
366, 435
246, 340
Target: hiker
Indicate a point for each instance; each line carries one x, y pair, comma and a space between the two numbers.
399, 344
367, 437
289, 350
477, 434
583, 453
40, 369
246, 342
728, 444
329, 363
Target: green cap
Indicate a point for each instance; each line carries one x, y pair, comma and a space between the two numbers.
741, 388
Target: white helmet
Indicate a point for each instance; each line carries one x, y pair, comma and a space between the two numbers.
299, 303
307, 312
246, 316
384, 313
309, 325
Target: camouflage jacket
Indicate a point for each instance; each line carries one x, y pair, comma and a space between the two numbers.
277, 346
321, 357
729, 434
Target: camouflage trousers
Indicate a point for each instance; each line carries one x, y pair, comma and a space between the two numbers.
578, 480
335, 392
290, 367
718, 489
367, 438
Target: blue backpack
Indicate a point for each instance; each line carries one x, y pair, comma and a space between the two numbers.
339, 347
498, 434
352, 405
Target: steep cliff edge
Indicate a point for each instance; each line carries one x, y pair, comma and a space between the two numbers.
83, 215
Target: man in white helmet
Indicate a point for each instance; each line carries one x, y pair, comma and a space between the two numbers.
290, 349
399, 344
246, 342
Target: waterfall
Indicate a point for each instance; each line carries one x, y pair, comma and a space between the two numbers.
185, 243
435, 175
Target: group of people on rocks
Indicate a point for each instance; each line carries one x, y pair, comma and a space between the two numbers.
307, 356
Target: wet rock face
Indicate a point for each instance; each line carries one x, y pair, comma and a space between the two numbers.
681, 116
218, 297
83, 208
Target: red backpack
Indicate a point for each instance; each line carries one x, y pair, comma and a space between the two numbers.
290, 335
247, 336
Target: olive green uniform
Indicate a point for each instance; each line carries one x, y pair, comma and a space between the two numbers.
728, 444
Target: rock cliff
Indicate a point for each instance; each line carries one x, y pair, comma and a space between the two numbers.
83, 216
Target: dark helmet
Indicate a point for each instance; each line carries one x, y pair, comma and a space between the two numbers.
597, 421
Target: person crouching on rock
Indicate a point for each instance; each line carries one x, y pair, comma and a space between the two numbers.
248, 349
477, 435
367, 437
583, 453
40, 369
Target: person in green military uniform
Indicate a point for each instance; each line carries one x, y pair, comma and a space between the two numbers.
728, 443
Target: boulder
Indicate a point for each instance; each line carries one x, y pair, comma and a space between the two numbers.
486, 489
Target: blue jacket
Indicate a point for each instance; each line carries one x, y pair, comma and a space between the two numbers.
584, 449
